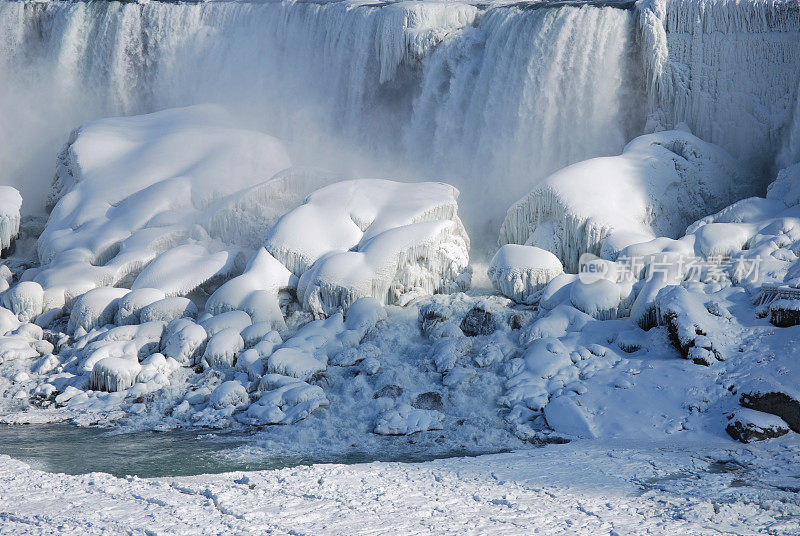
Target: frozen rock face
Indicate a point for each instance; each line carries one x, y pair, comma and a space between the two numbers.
10, 206
388, 240
158, 173
519, 272
699, 54
659, 184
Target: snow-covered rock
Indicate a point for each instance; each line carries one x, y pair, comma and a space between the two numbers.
96, 308
371, 237
115, 373
229, 394
26, 300
133, 188
168, 309
130, 305
660, 184
222, 349
519, 271
748, 425
404, 420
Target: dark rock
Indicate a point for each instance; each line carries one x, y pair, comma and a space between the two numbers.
784, 313
747, 426
429, 400
775, 402
478, 322
389, 391
431, 315
516, 321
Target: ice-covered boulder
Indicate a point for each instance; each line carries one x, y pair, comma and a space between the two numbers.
372, 237
114, 373
222, 349
405, 420
186, 344
230, 394
130, 305
518, 272
95, 308
10, 206
168, 309
255, 291
131, 189
661, 183
26, 300
285, 400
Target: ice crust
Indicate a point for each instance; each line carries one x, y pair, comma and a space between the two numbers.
10, 208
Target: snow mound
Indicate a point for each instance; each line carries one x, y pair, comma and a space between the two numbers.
115, 373
95, 308
133, 188
659, 184
229, 394
372, 237
518, 271
10, 206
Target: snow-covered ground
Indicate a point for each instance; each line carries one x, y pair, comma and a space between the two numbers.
583, 488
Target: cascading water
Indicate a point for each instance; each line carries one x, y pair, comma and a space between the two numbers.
490, 99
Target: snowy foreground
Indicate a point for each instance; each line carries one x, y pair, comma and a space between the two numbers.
583, 488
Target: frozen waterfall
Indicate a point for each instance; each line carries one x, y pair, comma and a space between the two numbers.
488, 97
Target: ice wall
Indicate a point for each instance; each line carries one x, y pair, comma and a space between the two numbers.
729, 69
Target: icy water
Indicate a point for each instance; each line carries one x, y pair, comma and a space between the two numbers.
64, 448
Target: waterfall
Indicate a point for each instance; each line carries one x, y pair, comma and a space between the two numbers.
490, 98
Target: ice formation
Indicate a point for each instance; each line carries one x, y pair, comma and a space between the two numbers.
10, 207
377, 238
157, 173
660, 184
519, 271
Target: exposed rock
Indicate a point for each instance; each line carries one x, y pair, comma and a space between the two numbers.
429, 400
478, 322
747, 425
778, 403
389, 391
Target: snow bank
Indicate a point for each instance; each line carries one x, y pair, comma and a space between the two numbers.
659, 184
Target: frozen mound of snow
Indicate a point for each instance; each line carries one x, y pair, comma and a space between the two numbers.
185, 344
26, 300
185, 268
130, 306
133, 188
372, 237
222, 349
255, 291
229, 394
95, 308
168, 309
659, 184
519, 271
10, 206
115, 373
